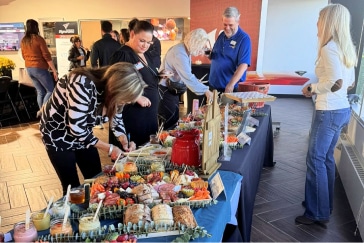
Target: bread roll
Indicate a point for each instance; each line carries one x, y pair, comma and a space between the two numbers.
136, 213
182, 214
144, 194
162, 214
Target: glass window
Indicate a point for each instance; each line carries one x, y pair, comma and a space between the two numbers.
359, 108
360, 84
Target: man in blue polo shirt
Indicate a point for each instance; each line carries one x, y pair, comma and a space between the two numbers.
231, 54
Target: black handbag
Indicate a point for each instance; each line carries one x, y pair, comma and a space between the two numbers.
176, 88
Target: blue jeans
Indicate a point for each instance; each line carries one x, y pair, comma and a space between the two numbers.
320, 175
43, 83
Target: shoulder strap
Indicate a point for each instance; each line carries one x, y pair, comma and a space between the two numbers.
141, 60
146, 65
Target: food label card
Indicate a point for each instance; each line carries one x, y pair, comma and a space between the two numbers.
253, 122
217, 186
7, 237
244, 139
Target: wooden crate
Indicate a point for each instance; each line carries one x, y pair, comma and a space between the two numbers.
248, 97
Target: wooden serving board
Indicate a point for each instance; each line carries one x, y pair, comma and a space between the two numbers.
136, 154
143, 151
211, 139
248, 97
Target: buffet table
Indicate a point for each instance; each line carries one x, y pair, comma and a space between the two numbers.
240, 177
213, 218
248, 162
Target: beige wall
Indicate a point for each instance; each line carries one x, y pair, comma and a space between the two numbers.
20, 10
70, 10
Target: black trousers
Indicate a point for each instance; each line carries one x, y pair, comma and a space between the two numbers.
168, 111
64, 163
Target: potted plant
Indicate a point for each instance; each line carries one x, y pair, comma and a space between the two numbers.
6, 65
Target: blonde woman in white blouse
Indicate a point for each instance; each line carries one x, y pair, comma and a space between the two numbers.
335, 71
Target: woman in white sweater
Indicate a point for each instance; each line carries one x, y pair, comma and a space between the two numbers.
335, 71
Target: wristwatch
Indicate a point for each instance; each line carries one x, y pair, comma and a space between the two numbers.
309, 88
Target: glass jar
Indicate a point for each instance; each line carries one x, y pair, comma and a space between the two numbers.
40, 222
130, 167
153, 139
109, 170
58, 228
24, 235
157, 166
86, 223
58, 209
77, 195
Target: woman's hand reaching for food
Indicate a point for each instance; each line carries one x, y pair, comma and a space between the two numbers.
127, 146
115, 152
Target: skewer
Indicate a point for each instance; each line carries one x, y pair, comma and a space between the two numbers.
160, 129
116, 161
165, 156
131, 154
203, 99
184, 170
203, 77
140, 152
189, 115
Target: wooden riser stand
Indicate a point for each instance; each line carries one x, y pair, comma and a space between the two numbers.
211, 138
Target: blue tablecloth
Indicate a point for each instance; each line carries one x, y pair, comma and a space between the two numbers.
214, 218
248, 162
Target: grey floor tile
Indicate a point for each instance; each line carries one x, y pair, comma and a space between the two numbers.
281, 188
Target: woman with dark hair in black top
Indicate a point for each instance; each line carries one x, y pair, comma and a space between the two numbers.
140, 119
77, 55
124, 36
115, 35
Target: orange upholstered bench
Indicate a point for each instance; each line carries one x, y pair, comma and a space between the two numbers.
277, 78
279, 83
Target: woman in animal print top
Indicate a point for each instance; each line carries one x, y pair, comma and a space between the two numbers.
82, 99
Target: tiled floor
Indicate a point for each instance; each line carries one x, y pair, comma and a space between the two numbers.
28, 180
281, 188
